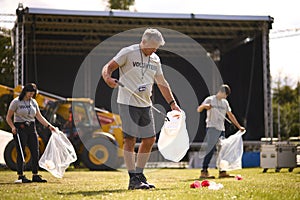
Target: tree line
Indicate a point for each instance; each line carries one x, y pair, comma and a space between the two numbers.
286, 110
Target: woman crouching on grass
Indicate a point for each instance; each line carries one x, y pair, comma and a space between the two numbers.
25, 109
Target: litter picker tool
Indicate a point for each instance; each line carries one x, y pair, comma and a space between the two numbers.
137, 96
228, 120
21, 150
22, 154
232, 126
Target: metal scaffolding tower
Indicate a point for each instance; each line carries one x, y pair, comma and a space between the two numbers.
268, 116
19, 48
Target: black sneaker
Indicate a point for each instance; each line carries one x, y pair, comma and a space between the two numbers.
135, 184
22, 179
143, 179
38, 178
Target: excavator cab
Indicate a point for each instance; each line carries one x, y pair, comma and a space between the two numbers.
73, 114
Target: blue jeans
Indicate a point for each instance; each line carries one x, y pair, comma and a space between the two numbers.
212, 138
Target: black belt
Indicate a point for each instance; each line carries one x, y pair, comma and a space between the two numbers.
26, 123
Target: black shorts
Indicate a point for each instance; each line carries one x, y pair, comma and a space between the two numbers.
137, 122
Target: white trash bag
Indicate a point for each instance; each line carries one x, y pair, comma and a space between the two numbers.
173, 141
231, 152
58, 155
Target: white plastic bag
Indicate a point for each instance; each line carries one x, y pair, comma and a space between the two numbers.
173, 141
58, 155
231, 152
5, 138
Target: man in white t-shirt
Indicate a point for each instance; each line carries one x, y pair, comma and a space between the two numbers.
217, 107
139, 67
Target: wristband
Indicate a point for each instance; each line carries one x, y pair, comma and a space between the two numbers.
171, 102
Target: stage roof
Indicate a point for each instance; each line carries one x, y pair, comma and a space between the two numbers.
61, 32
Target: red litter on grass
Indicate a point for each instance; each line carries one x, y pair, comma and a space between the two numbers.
238, 177
211, 185
205, 183
195, 184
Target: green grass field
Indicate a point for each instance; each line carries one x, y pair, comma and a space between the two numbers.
170, 183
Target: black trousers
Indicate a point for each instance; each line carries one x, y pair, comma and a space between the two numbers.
28, 136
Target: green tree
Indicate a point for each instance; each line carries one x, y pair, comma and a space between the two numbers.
6, 73
286, 107
120, 4
6, 59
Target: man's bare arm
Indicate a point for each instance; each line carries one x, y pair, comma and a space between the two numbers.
107, 71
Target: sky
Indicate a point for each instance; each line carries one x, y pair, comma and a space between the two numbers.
284, 46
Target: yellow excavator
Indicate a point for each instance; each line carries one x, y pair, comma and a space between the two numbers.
95, 133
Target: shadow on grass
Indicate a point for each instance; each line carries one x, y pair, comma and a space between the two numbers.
190, 179
272, 171
32, 183
92, 193
9, 183
103, 192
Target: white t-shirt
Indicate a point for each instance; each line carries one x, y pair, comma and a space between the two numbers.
216, 115
137, 72
24, 110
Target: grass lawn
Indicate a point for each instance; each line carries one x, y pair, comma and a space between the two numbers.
170, 184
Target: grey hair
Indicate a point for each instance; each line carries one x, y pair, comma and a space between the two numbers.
154, 35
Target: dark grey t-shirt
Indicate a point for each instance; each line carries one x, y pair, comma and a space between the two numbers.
24, 110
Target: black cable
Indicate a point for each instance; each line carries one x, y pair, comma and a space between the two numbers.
250, 83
